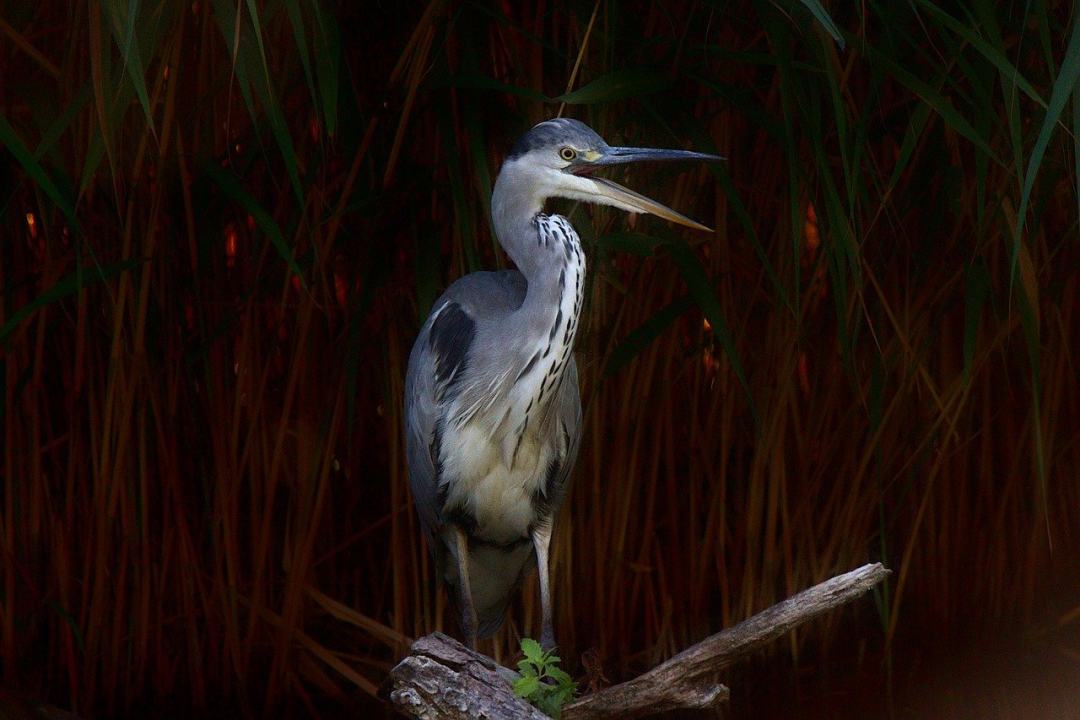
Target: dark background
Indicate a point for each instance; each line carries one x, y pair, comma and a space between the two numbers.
219, 239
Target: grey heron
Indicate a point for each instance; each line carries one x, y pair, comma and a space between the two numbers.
492, 410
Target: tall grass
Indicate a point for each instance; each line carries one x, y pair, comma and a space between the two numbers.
224, 221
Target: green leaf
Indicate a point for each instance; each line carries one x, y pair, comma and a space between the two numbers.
549, 705
69, 285
33, 168
63, 122
1064, 85
296, 20
825, 19
697, 280
526, 686
253, 73
907, 148
644, 334
988, 51
565, 692
233, 36
932, 97
94, 153
532, 650
618, 85
559, 675
233, 189
124, 33
253, 12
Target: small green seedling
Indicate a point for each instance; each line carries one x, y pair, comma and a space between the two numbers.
538, 667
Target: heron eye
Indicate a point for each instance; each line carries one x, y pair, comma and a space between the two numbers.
568, 154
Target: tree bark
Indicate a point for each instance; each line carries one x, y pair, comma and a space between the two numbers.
441, 678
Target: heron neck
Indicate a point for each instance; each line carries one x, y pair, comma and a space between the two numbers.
545, 249
547, 252
515, 203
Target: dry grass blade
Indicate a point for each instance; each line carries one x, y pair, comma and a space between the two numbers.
346, 614
581, 54
323, 653
27, 47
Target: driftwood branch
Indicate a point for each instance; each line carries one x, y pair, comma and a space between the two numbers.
441, 678
688, 680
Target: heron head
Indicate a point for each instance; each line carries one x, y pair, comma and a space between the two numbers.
560, 156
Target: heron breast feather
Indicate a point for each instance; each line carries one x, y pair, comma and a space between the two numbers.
499, 498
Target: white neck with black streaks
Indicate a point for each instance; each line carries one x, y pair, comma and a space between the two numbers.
549, 321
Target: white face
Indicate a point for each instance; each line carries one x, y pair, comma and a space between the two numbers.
541, 173
558, 157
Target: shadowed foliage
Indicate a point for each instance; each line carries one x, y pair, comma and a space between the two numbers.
222, 223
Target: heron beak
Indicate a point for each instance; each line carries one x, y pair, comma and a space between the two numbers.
626, 198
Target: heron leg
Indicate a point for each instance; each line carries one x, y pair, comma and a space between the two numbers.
468, 607
541, 537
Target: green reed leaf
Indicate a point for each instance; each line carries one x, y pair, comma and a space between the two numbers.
823, 17
228, 183
701, 289
83, 276
1064, 86
643, 335
37, 173
618, 85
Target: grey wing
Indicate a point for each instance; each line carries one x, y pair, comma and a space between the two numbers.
421, 416
438, 361
436, 365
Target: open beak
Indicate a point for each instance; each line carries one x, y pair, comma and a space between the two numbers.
627, 199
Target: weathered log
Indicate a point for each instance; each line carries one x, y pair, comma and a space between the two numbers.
441, 678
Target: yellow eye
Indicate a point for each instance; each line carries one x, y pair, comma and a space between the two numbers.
568, 154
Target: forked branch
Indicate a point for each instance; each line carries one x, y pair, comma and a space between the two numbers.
442, 678
688, 680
